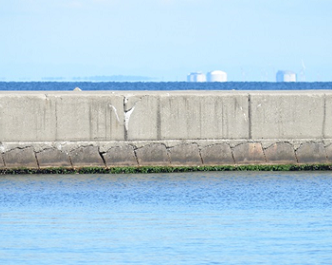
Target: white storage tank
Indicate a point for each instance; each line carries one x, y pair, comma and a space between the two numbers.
196, 77
216, 76
286, 76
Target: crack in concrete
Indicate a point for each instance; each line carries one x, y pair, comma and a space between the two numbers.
278, 142
35, 154
200, 155
136, 156
232, 153
295, 152
70, 161
102, 157
18, 147
265, 159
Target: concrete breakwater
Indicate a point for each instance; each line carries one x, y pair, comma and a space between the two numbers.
166, 128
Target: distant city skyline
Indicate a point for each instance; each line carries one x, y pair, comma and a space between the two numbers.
165, 40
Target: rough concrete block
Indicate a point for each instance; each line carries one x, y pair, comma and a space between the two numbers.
142, 117
249, 153
328, 151
287, 115
87, 156
153, 155
2, 163
280, 153
24, 157
88, 117
119, 156
61, 116
327, 125
185, 155
217, 154
204, 116
236, 116
53, 158
311, 152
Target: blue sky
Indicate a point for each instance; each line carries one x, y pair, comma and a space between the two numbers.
165, 39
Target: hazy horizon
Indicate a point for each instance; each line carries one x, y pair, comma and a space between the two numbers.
165, 39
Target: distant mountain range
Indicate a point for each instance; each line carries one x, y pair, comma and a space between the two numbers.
102, 78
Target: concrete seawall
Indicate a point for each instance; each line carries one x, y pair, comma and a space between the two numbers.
123, 128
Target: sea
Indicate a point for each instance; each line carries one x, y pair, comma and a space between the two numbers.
109, 86
200, 218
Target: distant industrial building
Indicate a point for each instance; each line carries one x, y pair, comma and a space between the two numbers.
196, 77
213, 76
286, 76
216, 76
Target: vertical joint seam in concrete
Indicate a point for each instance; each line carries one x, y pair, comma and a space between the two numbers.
324, 117
136, 157
263, 150
3, 160
295, 152
249, 116
102, 157
35, 154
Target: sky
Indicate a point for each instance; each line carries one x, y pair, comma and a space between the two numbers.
165, 39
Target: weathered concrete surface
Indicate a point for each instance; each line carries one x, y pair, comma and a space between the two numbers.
249, 153
20, 157
119, 156
172, 115
185, 154
53, 157
60, 117
165, 153
88, 156
280, 153
328, 151
133, 128
153, 154
2, 163
288, 116
312, 152
217, 154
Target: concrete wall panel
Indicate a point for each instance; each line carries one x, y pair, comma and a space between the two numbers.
311, 152
141, 118
2, 163
119, 156
280, 153
328, 151
89, 118
153, 154
249, 153
185, 155
132, 126
20, 157
88, 156
53, 157
217, 154
287, 115
327, 122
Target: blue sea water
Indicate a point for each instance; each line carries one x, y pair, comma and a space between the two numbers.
88, 86
192, 218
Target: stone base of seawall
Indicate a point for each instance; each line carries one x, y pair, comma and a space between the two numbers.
38, 155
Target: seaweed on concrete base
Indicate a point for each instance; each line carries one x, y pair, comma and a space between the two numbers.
163, 169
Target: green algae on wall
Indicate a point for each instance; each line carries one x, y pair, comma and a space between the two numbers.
160, 169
